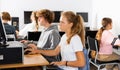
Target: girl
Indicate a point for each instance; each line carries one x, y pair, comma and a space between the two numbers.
105, 38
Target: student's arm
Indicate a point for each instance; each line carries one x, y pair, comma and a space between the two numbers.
117, 42
80, 62
54, 52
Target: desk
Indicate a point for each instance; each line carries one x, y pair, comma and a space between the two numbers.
29, 61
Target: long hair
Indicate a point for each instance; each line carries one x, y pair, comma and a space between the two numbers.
34, 18
105, 22
77, 27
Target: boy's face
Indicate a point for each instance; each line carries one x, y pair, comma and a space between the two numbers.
41, 20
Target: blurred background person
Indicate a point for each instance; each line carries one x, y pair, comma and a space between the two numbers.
6, 18
106, 41
33, 26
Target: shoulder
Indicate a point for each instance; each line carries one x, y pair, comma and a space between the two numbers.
29, 25
75, 37
10, 26
63, 36
54, 31
106, 32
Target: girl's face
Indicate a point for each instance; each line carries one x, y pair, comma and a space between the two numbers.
109, 26
41, 20
64, 24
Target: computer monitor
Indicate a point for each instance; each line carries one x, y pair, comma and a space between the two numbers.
84, 15
61, 33
27, 15
57, 16
34, 36
3, 39
119, 36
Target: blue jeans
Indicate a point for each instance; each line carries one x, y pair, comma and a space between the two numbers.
58, 68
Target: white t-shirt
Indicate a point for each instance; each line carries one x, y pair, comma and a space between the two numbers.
29, 27
43, 38
68, 50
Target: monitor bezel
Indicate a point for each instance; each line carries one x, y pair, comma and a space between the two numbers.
2, 28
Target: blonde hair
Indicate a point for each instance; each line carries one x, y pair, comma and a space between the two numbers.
77, 27
105, 22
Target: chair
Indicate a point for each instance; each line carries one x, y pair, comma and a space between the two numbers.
87, 66
93, 46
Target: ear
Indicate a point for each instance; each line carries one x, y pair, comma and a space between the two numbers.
71, 24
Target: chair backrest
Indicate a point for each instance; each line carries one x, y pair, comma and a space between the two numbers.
92, 44
87, 66
93, 48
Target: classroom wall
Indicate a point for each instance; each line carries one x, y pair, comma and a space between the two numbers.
17, 7
0, 5
106, 8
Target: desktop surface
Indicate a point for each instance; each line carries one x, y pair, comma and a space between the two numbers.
29, 61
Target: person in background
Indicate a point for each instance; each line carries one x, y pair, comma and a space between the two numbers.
106, 42
71, 44
8, 28
33, 26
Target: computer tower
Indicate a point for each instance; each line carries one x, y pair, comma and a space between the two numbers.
10, 55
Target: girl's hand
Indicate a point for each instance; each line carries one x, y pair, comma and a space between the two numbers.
61, 63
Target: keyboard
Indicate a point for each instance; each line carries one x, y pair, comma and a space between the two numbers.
15, 44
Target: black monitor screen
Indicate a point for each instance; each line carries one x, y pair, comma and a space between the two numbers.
3, 38
34, 36
61, 33
57, 16
84, 15
27, 15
